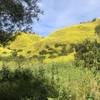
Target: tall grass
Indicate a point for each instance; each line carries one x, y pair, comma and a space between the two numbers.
69, 81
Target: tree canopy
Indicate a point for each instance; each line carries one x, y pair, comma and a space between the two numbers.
18, 15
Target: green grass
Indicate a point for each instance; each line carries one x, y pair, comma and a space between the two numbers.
78, 82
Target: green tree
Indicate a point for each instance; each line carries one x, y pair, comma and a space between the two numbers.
18, 15
88, 53
5, 37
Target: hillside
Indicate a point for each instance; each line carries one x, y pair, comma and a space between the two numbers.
56, 45
76, 33
59, 42
24, 44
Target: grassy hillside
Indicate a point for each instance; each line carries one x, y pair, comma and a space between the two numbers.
24, 43
52, 58
76, 33
67, 36
56, 45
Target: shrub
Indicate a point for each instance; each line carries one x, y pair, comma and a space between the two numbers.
97, 30
22, 84
88, 53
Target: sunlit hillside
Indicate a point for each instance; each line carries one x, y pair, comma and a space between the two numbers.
68, 35
72, 34
76, 33
53, 46
24, 44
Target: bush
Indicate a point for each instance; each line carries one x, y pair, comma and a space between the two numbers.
88, 53
97, 30
22, 84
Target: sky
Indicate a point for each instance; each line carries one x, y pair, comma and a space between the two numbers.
62, 13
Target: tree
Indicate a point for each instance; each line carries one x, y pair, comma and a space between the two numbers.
18, 15
5, 37
88, 53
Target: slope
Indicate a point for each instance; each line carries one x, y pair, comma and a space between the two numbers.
56, 46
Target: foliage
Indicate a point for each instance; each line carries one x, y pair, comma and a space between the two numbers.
18, 14
55, 51
62, 81
15, 16
97, 30
61, 59
5, 38
88, 53
94, 19
75, 83
22, 84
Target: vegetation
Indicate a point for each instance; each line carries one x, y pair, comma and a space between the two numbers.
54, 46
57, 67
17, 16
22, 84
53, 81
97, 30
88, 53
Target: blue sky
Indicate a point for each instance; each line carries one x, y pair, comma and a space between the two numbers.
63, 13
